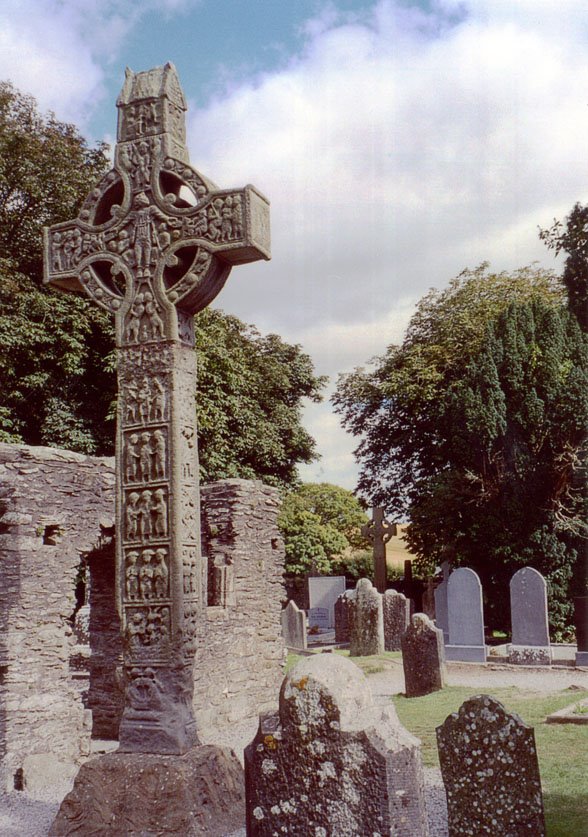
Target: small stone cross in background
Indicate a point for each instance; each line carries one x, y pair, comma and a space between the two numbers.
379, 531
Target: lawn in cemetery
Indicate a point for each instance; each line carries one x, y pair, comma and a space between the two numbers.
561, 748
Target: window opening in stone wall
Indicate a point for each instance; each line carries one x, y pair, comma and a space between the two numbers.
52, 534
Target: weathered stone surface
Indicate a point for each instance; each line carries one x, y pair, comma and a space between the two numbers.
366, 620
153, 259
490, 771
323, 592
294, 626
379, 531
530, 624
51, 502
396, 608
466, 617
330, 764
238, 661
441, 612
423, 657
342, 616
200, 792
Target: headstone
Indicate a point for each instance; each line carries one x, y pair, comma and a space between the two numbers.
379, 531
342, 616
330, 762
366, 621
153, 244
528, 614
581, 623
423, 657
441, 612
490, 771
323, 592
294, 626
396, 609
466, 617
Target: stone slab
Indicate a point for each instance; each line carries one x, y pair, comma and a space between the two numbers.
323, 592
396, 609
575, 713
528, 608
582, 658
332, 764
366, 621
466, 653
199, 793
490, 771
294, 626
465, 608
529, 655
423, 657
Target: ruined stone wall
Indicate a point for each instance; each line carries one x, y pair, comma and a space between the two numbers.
238, 667
55, 510
51, 504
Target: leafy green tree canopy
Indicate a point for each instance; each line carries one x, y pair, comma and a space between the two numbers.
475, 428
573, 240
319, 521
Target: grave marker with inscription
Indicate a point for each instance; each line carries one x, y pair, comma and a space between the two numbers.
154, 244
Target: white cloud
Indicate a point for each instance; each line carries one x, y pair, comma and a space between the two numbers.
398, 147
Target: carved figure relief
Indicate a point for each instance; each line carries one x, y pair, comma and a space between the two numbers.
147, 574
146, 402
141, 119
143, 321
143, 691
147, 627
190, 565
146, 515
190, 510
189, 440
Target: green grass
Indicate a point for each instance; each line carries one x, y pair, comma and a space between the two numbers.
561, 748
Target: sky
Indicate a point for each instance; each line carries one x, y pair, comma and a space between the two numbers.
398, 142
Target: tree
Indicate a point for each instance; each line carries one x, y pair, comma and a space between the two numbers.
573, 240
249, 404
57, 350
319, 521
475, 429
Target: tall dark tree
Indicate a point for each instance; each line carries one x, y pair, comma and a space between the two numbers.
476, 427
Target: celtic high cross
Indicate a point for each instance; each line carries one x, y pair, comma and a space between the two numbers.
154, 244
379, 531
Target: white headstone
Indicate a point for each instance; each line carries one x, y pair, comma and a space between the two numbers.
323, 592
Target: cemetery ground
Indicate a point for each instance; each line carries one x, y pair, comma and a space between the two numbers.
531, 692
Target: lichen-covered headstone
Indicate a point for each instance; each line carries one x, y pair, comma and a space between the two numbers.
366, 621
396, 609
342, 616
490, 771
331, 764
294, 626
530, 624
466, 617
423, 657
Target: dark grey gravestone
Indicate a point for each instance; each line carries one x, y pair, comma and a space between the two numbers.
581, 623
423, 657
396, 609
294, 626
441, 614
323, 592
366, 621
528, 613
330, 762
466, 617
342, 616
490, 772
